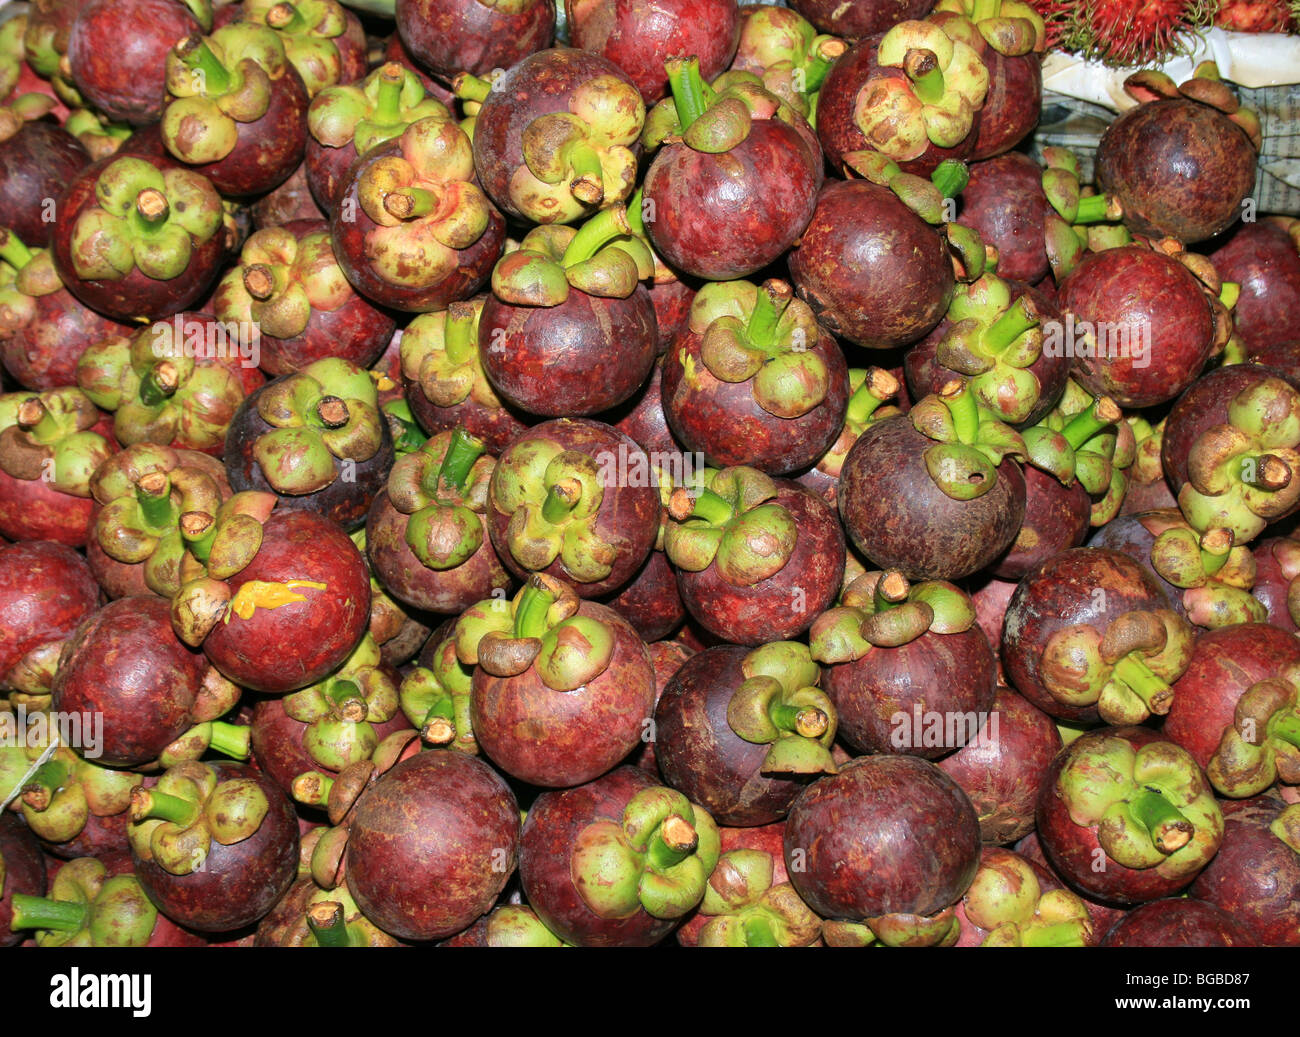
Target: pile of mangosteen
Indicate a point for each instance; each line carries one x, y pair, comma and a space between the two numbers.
716, 482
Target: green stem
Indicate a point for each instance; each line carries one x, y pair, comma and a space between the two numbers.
660, 856
761, 329
407, 436
287, 18
635, 218
530, 618
1093, 208
51, 776
951, 177
462, 452
1083, 426
758, 932
458, 333
688, 90
199, 532
1139, 677
862, 404
312, 788
154, 495
713, 508
1285, 726
1168, 828
410, 203
152, 803
1216, 546
1060, 934
13, 251
64, 916
328, 925
197, 56
1265, 472
35, 419
891, 590
348, 701
595, 234
1014, 321
819, 64
388, 96
982, 9
561, 499
159, 384
232, 740
964, 409
149, 214
439, 727
1229, 293
588, 179
470, 87
807, 721
929, 86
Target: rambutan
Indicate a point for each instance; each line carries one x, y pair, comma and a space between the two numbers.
1058, 18
1257, 15
1127, 33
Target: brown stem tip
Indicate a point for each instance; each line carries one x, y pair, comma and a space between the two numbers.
332, 411
678, 834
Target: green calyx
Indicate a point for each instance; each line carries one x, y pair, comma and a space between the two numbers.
1215, 572
47, 436
57, 800
928, 198
439, 351
1262, 744
1056, 444
778, 704
553, 497
764, 336
603, 258
1242, 474
436, 700
656, 857
322, 416
1125, 672
1077, 222
970, 442
1011, 27
307, 30
176, 822
373, 111
86, 908
745, 908
734, 522
994, 340
1150, 807
784, 48
1006, 899
144, 218
443, 487
541, 628
884, 610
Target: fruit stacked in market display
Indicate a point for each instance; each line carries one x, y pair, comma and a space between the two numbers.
715, 480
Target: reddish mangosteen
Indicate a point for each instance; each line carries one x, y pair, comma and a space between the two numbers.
754, 380
117, 51
575, 499
38, 159
125, 664
884, 849
412, 230
554, 136
642, 417
432, 845
756, 558
1277, 564
741, 732
139, 237
617, 862
667, 658
562, 305
1255, 876
46, 590
1089, 633
215, 844
1016, 902
1143, 830
23, 868
639, 39
292, 200
1056, 519
935, 508
1003, 766
735, 181
651, 602
1263, 259
858, 18
451, 36
1005, 203
1179, 922
573, 673
908, 669
1235, 708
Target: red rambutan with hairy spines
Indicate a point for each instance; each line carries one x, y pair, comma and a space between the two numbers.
1058, 18
1127, 33
1258, 15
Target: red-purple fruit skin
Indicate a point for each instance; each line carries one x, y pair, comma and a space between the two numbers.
628, 518
118, 51
1074, 850
540, 84
125, 663
1012, 105
651, 602
432, 845
1255, 876
725, 216
356, 331
558, 739
667, 658
33, 510
450, 36
990, 600
872, 270
640, 35
1057, 518
474, 264
104, 838
899, 518
642, 417
541, 358
1271, 583
24, 870
703, 758
1134, 288
1060, 593
672, 302
1180, 168
36, 163
1128, 535
723, 421
291, 201
46, 590
1001, 774
44, 353
946, 674
1225, 662
282, 649
1263, 259
239, 883
887, 834
545, 854
859, 18
136, 295
1004, 201
1178, 922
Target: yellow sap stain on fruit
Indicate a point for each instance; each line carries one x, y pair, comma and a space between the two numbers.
257, 594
